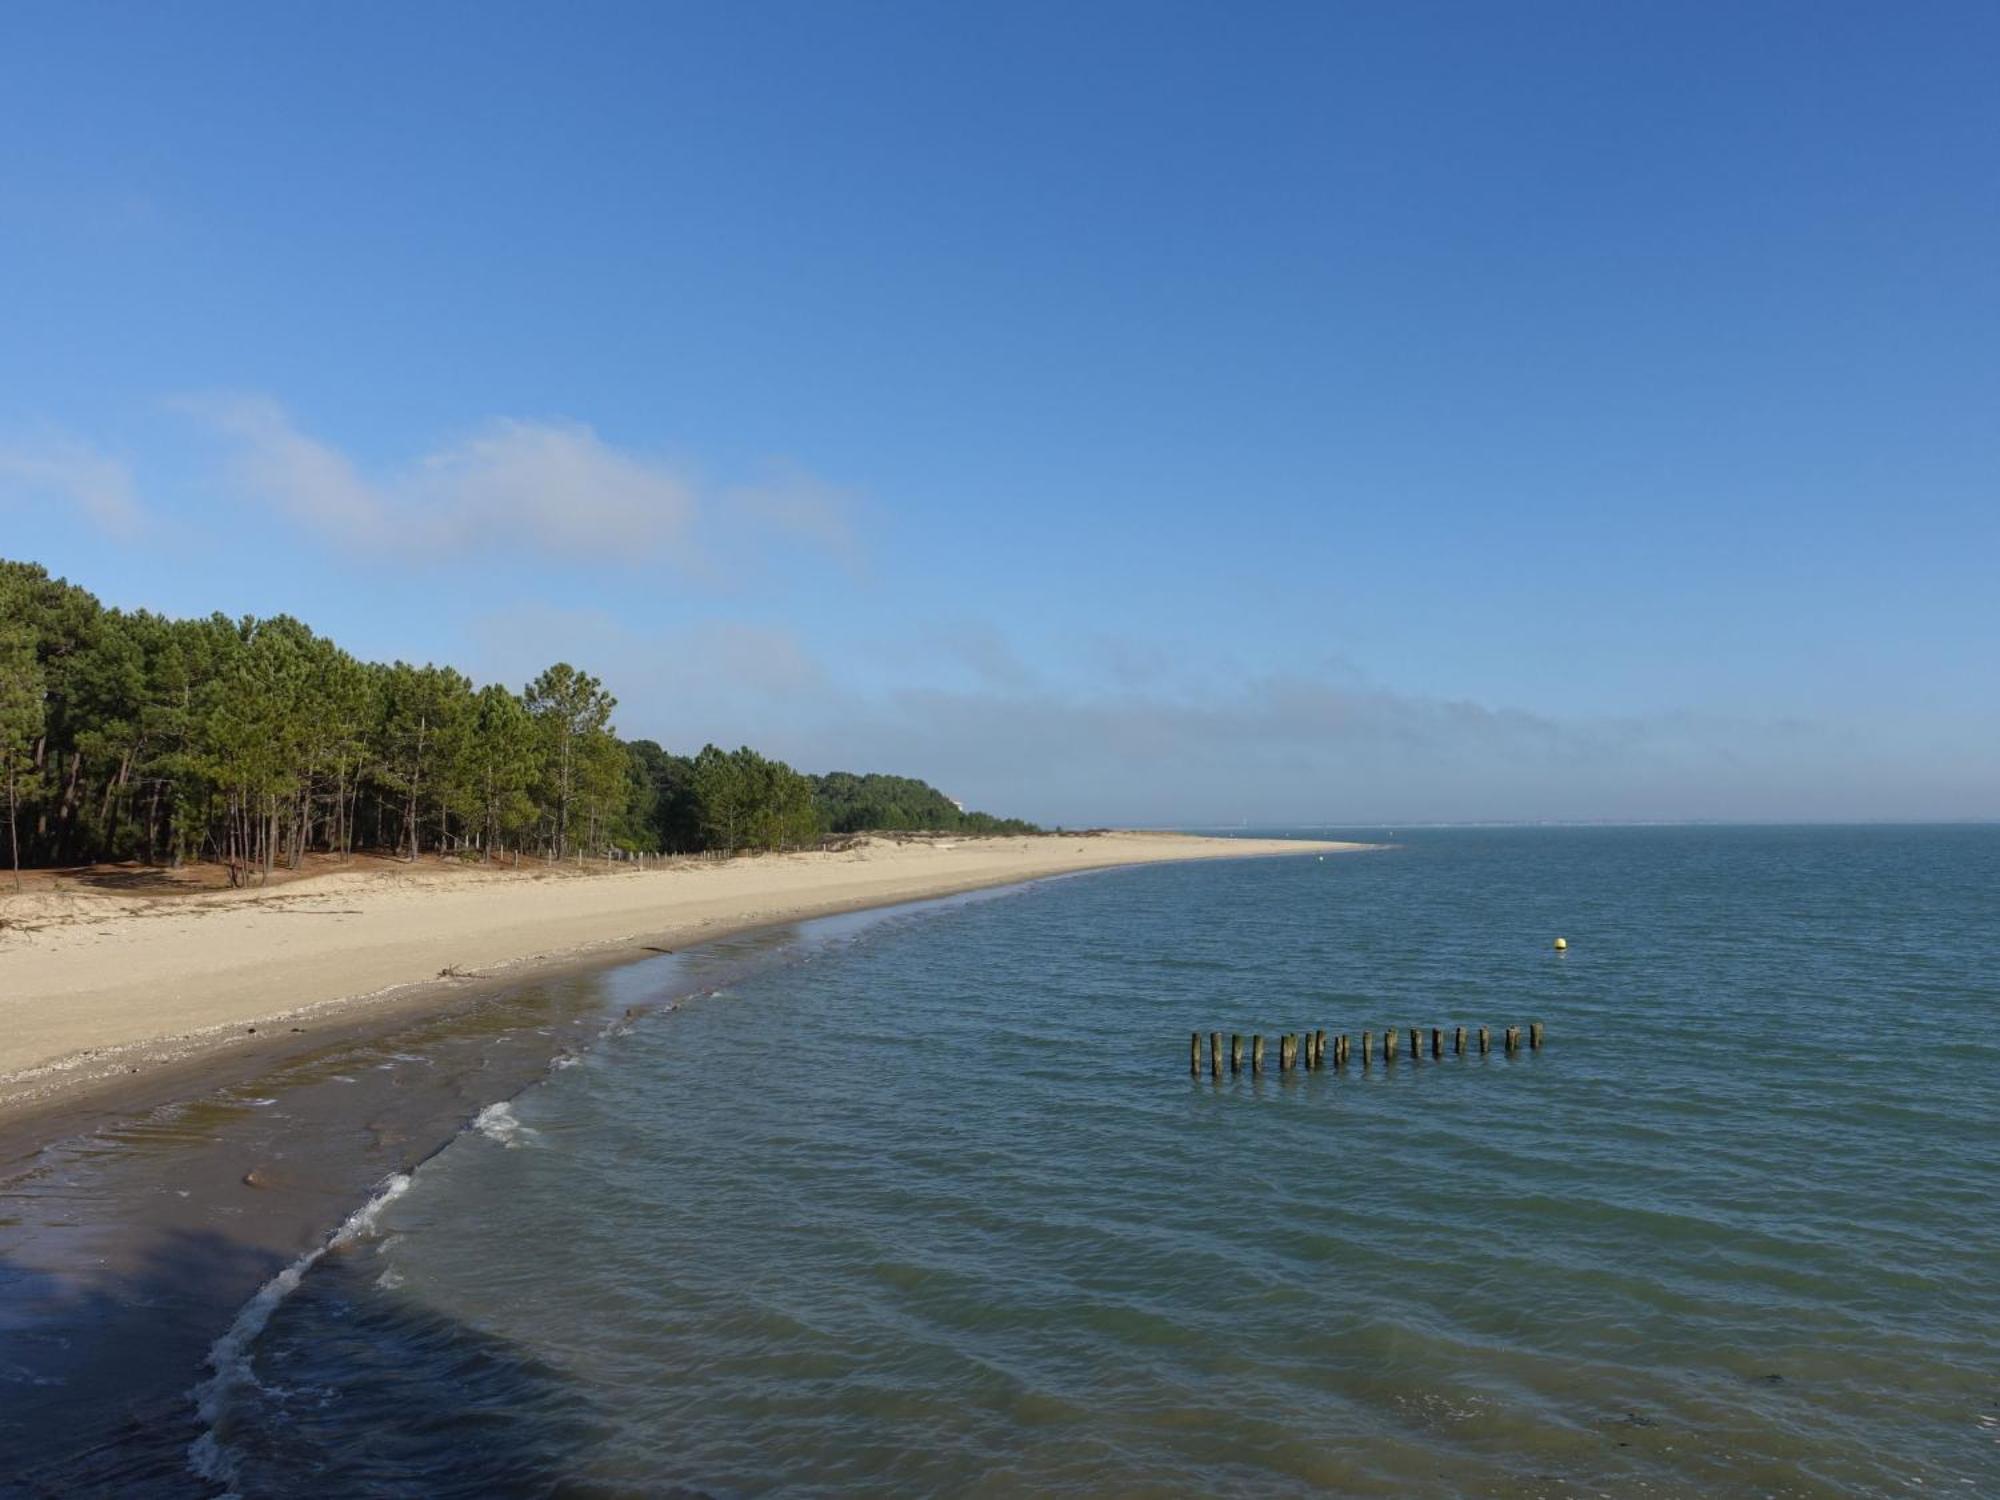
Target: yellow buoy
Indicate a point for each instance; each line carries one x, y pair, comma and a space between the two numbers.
1561, 944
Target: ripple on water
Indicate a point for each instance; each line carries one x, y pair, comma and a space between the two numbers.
941, 1211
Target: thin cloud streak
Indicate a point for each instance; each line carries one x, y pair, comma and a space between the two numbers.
56, 467
1280, 747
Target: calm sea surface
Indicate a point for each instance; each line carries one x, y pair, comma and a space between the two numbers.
931, 1206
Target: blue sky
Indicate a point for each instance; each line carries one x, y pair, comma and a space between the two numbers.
1156, 413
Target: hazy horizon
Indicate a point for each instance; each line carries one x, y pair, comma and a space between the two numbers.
1296, 416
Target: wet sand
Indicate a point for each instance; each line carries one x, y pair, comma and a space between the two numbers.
126, 1250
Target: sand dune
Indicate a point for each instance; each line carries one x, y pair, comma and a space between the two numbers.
95, 985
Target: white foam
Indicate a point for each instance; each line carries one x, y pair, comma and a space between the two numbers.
497, 1123
209, 1455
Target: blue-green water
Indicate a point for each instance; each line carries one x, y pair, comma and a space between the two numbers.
934, 1207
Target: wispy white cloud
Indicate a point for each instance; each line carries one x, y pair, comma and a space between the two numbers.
549, 487
794, 506
55, 468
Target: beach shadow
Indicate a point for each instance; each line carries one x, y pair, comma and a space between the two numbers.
359, 1390
138, 878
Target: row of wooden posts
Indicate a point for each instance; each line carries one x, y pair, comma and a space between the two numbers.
1310, 1050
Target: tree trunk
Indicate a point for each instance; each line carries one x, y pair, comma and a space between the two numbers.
111, 800
13, 831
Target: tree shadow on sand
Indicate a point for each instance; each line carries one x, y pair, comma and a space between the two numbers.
359, 1390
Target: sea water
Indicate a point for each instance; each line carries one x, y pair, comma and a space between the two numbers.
934, 1206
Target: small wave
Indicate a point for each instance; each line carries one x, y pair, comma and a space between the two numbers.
497, 1123
209, 1456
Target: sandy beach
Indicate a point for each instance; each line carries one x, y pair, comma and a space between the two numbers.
100, 986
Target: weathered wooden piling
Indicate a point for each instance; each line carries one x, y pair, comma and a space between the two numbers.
1313, 1050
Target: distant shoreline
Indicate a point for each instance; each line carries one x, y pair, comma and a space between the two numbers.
109, 998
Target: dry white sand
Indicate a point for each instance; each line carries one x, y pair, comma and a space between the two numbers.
94, 984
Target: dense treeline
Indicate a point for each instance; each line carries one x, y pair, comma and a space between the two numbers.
851, 803
127, 735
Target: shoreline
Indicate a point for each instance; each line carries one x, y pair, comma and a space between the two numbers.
96, 1019
235, 1161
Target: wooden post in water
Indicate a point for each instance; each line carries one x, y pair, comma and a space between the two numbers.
1437, 1042
1194, 1054
1257, 1053
1388, 1044
1414, 1045
1319, 1043
1485, 1042
1235, 1052
1513, 1038
1535, 1035
1340, 1044
1367, 1048
1288, 1053
1215, 1054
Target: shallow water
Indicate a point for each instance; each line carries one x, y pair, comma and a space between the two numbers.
939, 1210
